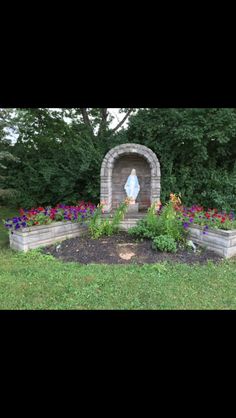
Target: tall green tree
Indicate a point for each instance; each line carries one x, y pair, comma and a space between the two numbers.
196, 149
61, 151
6, 118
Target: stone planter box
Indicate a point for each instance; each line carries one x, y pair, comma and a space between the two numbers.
43, 235
220, 241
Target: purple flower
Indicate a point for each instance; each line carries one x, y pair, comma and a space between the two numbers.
190, 219
185, 225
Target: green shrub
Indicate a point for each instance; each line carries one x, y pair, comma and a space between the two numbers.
153, 225
99, 227
164, 243
170, 224
118, 217
141, 230
148, 227
95, 224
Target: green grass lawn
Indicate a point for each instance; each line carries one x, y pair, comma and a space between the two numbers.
36, 281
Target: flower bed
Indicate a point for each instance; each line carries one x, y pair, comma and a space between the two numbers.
210, 228
210, 218
43, 226
175, 225
47, 215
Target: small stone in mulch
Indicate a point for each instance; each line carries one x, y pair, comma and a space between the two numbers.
126, 255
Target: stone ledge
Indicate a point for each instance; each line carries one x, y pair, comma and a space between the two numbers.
220, 241
224, 232
39, 236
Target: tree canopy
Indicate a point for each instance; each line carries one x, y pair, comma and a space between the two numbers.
60, 151
196, 149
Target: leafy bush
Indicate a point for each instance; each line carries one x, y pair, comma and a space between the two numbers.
148, 227
141, 230
99, 227
164, 243
170, 224
164, 223
118, 216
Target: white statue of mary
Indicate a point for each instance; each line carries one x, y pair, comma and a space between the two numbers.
132, 186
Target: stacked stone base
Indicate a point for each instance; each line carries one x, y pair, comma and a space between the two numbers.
220, 241
41, 236
133, 208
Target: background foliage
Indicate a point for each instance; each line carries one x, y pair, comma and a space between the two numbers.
196, 149
59, 153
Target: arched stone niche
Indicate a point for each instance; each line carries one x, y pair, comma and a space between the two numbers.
116, 168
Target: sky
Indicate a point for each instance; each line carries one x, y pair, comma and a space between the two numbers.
117, 117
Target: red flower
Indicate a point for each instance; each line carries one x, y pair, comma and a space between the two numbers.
41, 209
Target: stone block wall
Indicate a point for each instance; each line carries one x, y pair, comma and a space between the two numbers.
217, 240
117, 166
121, 171
41, 236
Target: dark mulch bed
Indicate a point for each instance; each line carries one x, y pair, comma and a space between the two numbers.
122, 249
